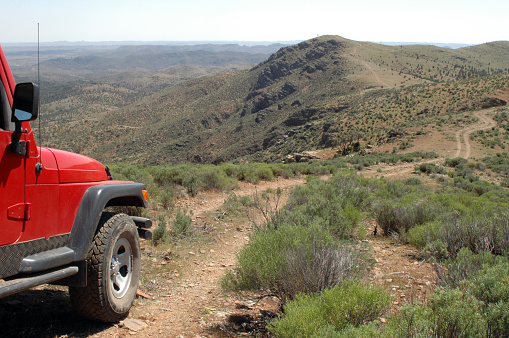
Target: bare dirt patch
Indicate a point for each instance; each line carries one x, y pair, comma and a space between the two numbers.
400, 269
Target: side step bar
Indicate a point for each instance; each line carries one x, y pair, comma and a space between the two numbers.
19, 284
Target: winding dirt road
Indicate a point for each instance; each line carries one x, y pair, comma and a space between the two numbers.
463, 135
463, 149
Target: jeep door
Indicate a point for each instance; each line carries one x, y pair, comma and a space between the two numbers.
12, 176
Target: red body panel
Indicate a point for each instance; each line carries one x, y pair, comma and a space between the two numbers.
75, 168
54, 208
12, 191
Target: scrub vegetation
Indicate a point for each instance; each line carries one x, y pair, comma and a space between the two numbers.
309, 252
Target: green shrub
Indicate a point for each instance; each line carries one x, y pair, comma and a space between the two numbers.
491, 286
454, 162
456, 314
420, 235
292, 259
334, 310
413, 181
448, 313
487, 231
134, 173
437, 249
497, 317
233, 204
182, 222
255, 172
430, 168
167, 198
464, 266
331, 204
213, 177
491, 283
230, 169
365, 331
393, 218
160, 234
411, 321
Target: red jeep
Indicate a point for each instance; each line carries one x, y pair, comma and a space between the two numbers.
53, 223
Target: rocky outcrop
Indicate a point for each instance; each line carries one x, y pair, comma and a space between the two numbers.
289, 59
301, 117
301, 157
259, 100
490, 102
396, 133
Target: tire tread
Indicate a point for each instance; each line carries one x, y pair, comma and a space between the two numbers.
90, 301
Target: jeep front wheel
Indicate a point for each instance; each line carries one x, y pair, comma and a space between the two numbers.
114, 263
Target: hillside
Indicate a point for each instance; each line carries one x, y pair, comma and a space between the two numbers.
319, 93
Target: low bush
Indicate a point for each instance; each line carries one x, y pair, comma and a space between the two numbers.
454, 271
399, 219
339, 311
292, 259
316, 269
423, 234
255, 172
194, 178
454, 162
182, 223
265, 207
488, 232
334, 205
411, 321
430, 168
167, 198
234, 204
160, 234
447, 313
213, 177
499, 163
456, 314
412, 181
134, 173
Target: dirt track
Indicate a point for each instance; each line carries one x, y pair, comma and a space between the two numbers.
462, 149
463, 135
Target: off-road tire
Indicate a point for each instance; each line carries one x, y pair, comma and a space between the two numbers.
114, 263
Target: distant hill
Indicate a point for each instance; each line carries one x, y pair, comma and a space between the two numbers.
437, 44
314, 94
72, 62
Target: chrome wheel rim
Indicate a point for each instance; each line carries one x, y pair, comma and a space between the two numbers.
121, 268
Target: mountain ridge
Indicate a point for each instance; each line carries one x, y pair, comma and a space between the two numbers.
304, 95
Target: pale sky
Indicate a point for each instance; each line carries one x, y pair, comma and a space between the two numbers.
444, 21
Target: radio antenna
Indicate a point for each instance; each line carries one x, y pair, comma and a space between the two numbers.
38, 166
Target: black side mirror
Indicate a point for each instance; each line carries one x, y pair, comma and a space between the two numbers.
25, 106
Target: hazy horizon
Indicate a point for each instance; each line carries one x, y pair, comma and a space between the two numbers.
222, 42
440, 21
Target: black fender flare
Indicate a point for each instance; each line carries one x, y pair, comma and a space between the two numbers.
93, 203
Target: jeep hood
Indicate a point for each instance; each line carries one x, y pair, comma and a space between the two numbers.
75, 168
